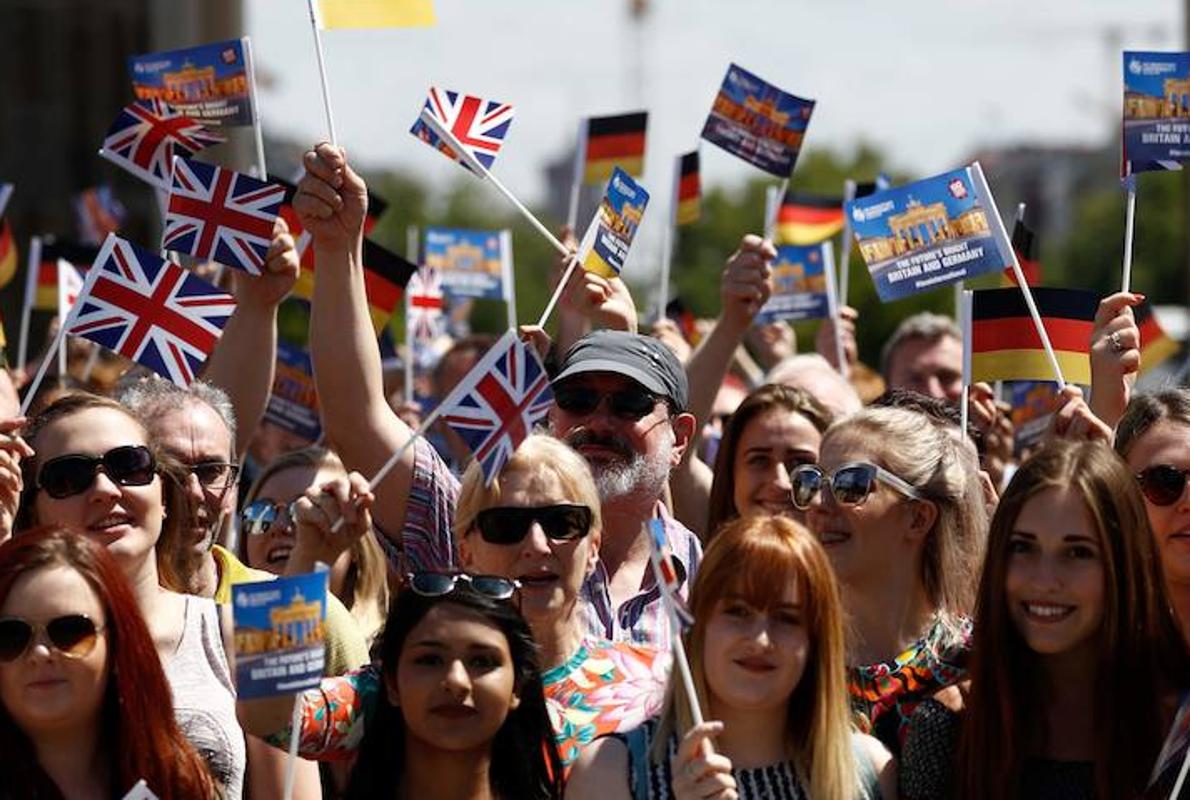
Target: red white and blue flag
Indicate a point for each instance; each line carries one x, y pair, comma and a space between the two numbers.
499, 402
425, 303
149, 310
146, 137
222, 215
666, 573
479, 125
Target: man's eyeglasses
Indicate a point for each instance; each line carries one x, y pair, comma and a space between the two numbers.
437, 584
627, 404
510, 524
1162, 484
72, 635
66, 476
850, 485
214, 476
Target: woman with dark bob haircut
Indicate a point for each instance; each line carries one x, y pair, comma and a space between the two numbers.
83, 699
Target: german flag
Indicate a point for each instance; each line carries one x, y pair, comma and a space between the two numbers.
1004, 344
611, 142
8, 254
385, 276
1024, 242
808, 219
41, 284
1155, 343
689, 192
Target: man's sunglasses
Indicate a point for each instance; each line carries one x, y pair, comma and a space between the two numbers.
65, 476
1162, 484
509, 525
258, 517
214, 476
850, 484
438, 584
627, 404
72, 635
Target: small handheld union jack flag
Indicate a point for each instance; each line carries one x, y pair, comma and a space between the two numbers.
222, 215
667, 575
479, 125
146, 137
425, 303
499, 401
149, 310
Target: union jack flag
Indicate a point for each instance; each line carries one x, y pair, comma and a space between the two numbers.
146, 137
149, 310
498, 402
479, 125
222, 215
666, 574
425, 303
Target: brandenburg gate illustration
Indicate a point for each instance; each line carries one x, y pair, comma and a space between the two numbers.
294, 625
920, 226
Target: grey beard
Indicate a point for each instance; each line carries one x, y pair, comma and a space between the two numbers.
641, 477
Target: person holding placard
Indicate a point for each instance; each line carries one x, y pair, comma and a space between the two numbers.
85, 707
896, 501
766, 651
1076, 662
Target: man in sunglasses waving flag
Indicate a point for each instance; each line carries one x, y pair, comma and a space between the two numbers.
620, 400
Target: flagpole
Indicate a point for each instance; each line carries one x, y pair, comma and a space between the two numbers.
976, 174
966, 300
32, 267
667, 243
576, 184
549, 307
675, 626
770, 223
326, 92
411, 253
257, 130
845, 245
506, 273
479, 169
832, 307
48, 359
295, 736
1129, 228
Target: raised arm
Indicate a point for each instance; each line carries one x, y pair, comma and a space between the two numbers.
1115, 356
244, 360
331, 201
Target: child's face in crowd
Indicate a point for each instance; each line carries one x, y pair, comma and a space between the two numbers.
769, 447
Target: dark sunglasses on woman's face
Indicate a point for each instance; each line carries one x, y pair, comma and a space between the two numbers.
1162, 484
259, 516
437, 584
510, 524
627, 404
72, 635
128, 465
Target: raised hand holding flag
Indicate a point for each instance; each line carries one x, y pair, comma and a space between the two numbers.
146, 137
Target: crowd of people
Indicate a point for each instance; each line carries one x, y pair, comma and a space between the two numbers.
876, 602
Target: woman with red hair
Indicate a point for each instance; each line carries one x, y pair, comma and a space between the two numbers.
85, 710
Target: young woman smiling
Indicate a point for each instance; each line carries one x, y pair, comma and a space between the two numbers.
1075, 661
766, 655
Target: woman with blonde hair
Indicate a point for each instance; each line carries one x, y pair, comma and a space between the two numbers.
766, 657
896, 501
359, 576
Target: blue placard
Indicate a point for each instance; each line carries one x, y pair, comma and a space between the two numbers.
1156, 106
208, 83
758, 122
930, 233
605, 247
470, 263
293, 403
801, 284
280, 634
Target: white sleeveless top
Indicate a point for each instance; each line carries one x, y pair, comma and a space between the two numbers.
204, 695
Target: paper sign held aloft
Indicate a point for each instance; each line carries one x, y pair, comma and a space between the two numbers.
605, 246
280, 635
758, 122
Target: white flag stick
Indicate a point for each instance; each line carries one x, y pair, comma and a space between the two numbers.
295, 735
411, 253
1129, 228
32, 268
31, 392
675, 627
667, 243
326, 92
257, 131
508, 276
1177, 787
845, 245
549, 307
832, 307
966, 300
479, 169
576, 184
770, 223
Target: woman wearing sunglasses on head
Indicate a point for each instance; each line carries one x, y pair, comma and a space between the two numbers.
94, 471
1154, 438
896, 501
1076, 661
84, 705
766, 657
539, 524
359, 575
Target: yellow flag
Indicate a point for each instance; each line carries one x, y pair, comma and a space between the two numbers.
376, 13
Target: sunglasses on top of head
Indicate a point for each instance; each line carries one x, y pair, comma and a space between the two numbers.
850, 484
562, 522
65, 476
72, 635
628, 404
1162, 484
438, 584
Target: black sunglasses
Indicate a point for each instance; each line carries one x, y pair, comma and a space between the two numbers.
628, 404
850, 485
509, 524
72, 635
257, 518
437, 584
1162, 484
128, 465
